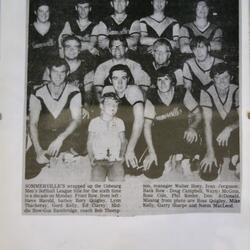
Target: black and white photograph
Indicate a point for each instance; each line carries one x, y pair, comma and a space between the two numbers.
132, 99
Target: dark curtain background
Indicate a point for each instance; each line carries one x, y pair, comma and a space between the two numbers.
223, 12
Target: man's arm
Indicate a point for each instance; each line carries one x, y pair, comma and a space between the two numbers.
99, 78
135, 135
209, 160
88, 87
184, 41
216, 43
90, 147
134, 35
191, 135
137, 126
101, 33
35, 109
224, 136
187, 77
66, 31
124, 143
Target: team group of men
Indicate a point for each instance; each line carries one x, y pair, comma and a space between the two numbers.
139, 96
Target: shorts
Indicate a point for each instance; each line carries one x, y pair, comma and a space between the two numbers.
103, 168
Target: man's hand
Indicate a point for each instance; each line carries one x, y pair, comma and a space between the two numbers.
190, 135
150, 49
207, 163
223, 137
41, 158
131, 159
94, 51
149, 159
55, 146
85, 114
92, 160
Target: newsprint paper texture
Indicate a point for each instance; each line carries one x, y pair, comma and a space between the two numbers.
132, 107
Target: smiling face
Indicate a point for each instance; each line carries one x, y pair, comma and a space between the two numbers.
118, 50
159, 5
164, 83
42, 13
222, 81
119, 80
109, 106
71, 49
83, 10
201, 52
58, 75
202, 9
161, 54
119, 6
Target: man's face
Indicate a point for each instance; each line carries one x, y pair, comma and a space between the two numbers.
159, 5
83, 10
164, 83
201, 52
109, 106
202, 9
222, 81
58, 75
118, 50
161, 54
42, 13
71, 49
119, 6
119, 80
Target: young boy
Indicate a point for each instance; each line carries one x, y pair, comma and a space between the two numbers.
106, 142
220, 104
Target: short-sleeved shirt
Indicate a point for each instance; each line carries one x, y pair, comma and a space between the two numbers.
167, 133
141, 78
131, 96
224, 114
108, 27
106, 138
167, 28
212, 32
75, 28
211, 99
181, 97
41, 49
200, 78
82, 77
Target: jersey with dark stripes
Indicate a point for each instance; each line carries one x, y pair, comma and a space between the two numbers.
166, 26
114, 28
208, 33
86, 33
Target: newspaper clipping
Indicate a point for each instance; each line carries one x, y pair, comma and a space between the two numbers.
132, 107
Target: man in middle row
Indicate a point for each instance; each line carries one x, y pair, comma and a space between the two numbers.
118, 48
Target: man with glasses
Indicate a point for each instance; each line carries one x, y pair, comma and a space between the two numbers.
118, 48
